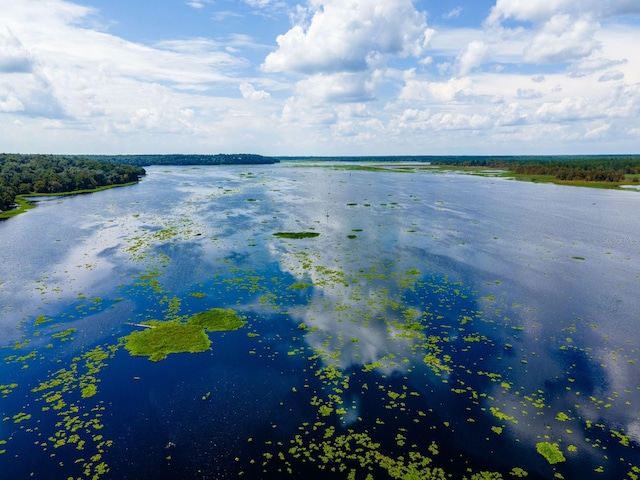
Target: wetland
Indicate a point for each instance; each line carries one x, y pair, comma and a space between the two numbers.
322, 320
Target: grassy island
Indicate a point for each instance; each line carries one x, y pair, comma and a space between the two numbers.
550, 451
217, 320
163, 338
296, 235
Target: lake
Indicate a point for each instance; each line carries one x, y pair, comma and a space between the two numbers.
439, 325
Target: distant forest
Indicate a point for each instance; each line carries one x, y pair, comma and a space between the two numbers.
577, 168
46, 174
28, 174
180, 159
601, 168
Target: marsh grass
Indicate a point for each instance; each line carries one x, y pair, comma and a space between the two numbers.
166, 338
296, 235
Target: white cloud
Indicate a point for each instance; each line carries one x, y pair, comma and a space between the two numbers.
528, 94
249, 92
86, 74
563, 38
455, 13
350, 36
447, 91
527, 10
259, 3
14, 57
611, 75
338, 87
597, 132
196, 4
568, 109
346, 76
222, 15
11, 104
475, 55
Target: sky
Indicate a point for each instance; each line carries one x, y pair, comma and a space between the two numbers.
320, 77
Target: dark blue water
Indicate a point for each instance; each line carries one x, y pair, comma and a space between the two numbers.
438, 321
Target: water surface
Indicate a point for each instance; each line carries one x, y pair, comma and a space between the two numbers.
442, 324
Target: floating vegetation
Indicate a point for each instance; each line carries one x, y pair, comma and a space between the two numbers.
42, 320
550, 451
217, 319
296, 235
64, 335
174, 336
166, 338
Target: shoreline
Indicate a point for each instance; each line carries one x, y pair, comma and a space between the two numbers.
23, 204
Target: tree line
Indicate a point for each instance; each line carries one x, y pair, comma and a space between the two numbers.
33, 174
187, 159
601, 168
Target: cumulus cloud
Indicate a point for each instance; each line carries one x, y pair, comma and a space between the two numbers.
569, 109
350, 36
14, 57
540, 11
611, 75
527, 10
562, 39
249, 92
474, 56
594, 63
559, 31
528, 94
415, 119
350, 76
446, 91
11, 104
338, 87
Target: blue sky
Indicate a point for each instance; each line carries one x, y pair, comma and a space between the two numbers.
320, 77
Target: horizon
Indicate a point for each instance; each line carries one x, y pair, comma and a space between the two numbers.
326, 78
304, 156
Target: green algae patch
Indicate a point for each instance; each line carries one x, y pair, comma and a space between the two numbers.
296, 235
65, 334
550, 451
217, 320
41, 320
166, 338
160, 339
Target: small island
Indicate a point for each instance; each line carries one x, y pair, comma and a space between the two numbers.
159, 339
296, 235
